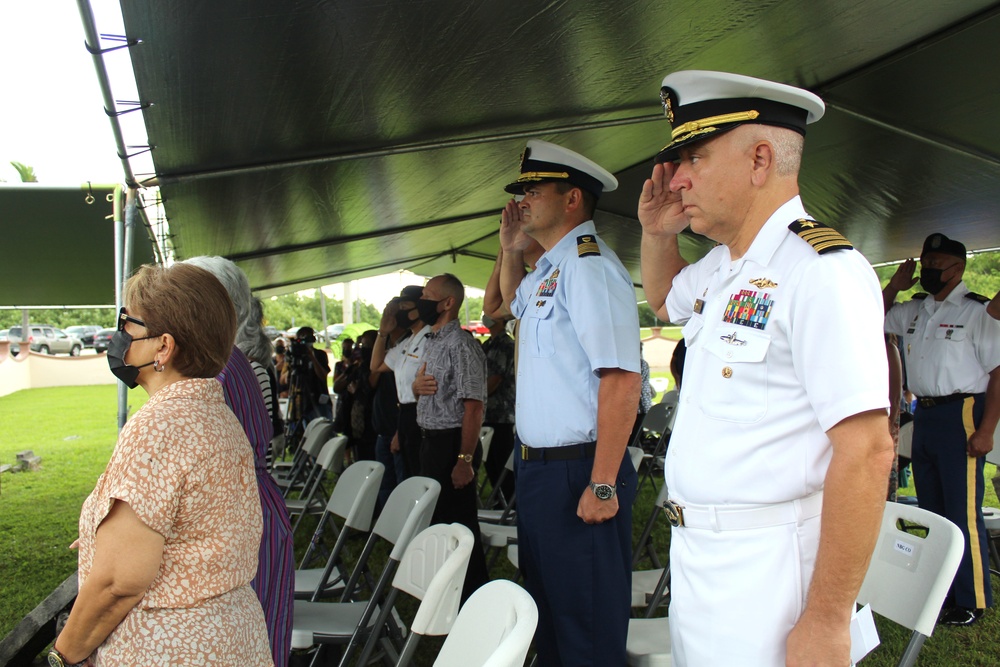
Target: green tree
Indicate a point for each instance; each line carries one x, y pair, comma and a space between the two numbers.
27, 173
982, 275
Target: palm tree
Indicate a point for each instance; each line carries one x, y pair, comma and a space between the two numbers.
27, 173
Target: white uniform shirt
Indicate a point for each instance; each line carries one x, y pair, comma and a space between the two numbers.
783, 344
405, 360
950, 345
578, 315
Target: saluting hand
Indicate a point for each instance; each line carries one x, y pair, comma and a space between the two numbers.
512, 236
424, 384
904, 278
661, 211
388, 321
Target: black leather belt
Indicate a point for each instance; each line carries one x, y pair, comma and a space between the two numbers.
931, 401
583, 450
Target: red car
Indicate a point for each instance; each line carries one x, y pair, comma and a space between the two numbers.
477, 327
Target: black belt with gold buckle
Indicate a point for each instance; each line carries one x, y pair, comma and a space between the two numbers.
583, 450
674, 513
932, 401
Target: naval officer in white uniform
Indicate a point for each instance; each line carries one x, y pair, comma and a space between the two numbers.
778, 460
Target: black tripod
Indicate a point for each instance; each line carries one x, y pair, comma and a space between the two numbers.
301, 402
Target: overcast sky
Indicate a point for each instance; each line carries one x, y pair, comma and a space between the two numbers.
52, 114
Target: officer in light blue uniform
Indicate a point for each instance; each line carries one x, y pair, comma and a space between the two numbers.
578, 366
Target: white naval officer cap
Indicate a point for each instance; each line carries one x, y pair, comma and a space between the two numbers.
700, 104
543, 162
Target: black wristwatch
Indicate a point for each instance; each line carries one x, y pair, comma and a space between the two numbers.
56, 659
603, 491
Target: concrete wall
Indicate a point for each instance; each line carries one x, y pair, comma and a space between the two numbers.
30, 370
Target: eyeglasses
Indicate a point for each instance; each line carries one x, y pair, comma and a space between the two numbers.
124, 317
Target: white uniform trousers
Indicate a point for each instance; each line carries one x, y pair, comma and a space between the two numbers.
736, 594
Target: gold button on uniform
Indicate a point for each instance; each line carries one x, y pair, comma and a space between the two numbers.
727, 372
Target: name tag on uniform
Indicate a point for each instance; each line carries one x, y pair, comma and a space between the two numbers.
699, 305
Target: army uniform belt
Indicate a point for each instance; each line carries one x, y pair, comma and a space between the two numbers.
931, 401
583, 450
727, 517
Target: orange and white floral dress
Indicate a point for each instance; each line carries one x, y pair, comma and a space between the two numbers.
184, 465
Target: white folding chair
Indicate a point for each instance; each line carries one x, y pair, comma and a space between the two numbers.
498, 509
314, 496
353, 500
407, 512
494, 628
909, 575
644, 546
659, 420
432, 571
293, 477
648, 640
636, 455
485, 439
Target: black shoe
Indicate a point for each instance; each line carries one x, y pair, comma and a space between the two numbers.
960, 616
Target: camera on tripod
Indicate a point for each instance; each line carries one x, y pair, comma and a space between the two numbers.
298, 353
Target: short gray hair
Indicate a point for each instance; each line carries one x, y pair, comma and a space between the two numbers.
250, 337
787, 146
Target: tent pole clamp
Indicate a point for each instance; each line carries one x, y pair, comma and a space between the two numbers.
126, 43
134, 106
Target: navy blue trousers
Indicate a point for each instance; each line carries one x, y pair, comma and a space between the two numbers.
579, 575
950, 484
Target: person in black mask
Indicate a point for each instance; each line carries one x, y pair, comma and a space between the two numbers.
403, 360
178, 497
951, 347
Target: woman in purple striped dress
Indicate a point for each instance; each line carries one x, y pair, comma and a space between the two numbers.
275, 580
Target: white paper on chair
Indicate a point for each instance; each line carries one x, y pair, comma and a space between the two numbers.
864, 636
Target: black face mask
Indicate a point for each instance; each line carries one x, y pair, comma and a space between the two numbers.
930, 280
117, 348
427, 310
403, 320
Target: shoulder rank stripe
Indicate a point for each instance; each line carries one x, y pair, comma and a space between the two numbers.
823, 239
920, 296
977, 297
586, 246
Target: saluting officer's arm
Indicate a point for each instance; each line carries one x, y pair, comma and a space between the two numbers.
661, 261
493, 302
511, 273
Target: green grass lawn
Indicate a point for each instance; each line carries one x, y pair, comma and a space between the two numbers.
74, 431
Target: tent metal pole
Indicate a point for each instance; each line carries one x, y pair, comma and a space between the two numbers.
119, 296
92, 45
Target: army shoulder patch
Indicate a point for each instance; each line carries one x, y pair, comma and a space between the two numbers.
586, 246
823, 239
977, 297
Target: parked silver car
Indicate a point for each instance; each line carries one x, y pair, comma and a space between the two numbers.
46, 340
